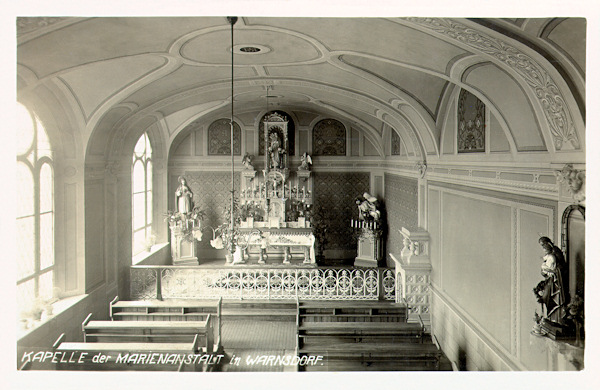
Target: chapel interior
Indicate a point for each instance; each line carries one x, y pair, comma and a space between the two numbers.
407, 193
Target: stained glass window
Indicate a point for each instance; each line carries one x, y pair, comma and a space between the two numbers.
329, 138
395, 143
141, 184
35, 210
471, 123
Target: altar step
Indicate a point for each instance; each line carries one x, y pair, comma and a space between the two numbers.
259, 310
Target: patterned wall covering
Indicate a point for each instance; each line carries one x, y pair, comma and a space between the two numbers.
329, 138
211, 193
395, 143
291, 134
401, 202
219, 138
471, 123
335, 194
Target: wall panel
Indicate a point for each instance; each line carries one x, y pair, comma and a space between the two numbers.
70, 207
486, 260
335, 194
401, 208
94, 234
476, 260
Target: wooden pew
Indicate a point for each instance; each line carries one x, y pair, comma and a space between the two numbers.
367, 311
170, 310
133, 355
150, 332
336, 332
363, 335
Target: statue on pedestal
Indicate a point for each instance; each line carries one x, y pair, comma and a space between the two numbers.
306, 162
275, 152
369, 228
183, 197
551, 292
368, 208
247, 161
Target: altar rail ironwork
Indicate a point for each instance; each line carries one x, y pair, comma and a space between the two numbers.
167, 282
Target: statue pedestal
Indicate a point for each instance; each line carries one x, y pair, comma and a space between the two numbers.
370, 247
182, 250
413, 275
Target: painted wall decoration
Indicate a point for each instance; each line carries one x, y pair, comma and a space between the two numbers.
335, 194
395, 143
219, 138
401, 202
291, 133
471, 123
329, 138
212, 194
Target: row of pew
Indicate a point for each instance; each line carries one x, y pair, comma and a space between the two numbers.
347, 335
363, 335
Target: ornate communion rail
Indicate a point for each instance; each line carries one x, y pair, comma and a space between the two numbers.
164, 282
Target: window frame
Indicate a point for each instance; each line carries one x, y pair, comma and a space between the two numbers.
144, 159
35, 166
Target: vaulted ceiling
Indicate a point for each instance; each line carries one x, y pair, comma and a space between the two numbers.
117, 75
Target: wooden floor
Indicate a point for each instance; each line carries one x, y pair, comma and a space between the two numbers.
259, 335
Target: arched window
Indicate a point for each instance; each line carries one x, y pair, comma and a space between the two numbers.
329, 138
35, 210
141, 184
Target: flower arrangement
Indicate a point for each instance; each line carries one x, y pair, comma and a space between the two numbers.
251, 210
228, 236
190, 223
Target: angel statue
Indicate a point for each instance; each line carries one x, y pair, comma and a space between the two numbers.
247, 161
306, 162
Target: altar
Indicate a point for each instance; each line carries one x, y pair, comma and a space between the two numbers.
275, 202
288, 239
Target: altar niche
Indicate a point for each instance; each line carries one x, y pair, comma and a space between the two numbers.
276, 201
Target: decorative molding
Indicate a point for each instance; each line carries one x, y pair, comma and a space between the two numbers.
529, 185
574, 180
516, 291
542, 86
421, 166
70, 171
112, 168
27, 24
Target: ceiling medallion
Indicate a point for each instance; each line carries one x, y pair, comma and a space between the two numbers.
251, 49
